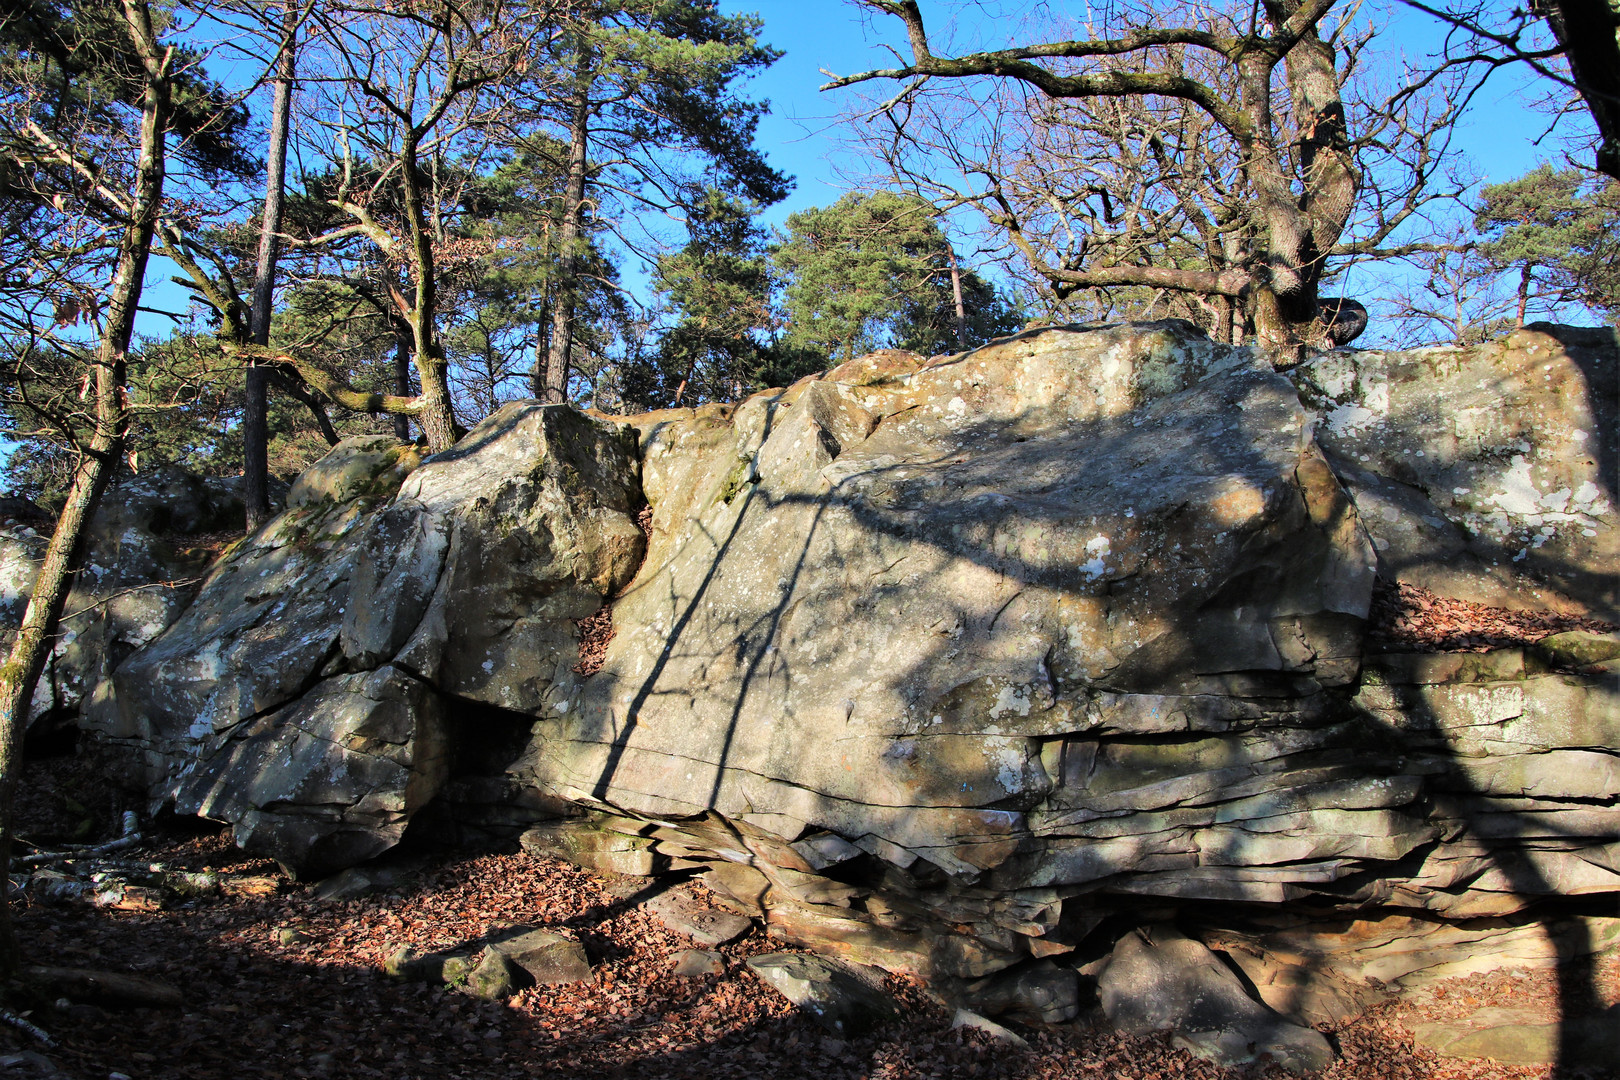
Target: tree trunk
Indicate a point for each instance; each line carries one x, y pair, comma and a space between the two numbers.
1524, 293
255, 416
956, 291
437, 417
402, 385
1284, 321
1299, 227
32, 646
542, 349
1589, 31
555, 390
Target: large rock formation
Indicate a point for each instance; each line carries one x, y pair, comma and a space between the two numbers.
944, 664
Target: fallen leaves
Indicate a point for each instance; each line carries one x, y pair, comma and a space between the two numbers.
313, 1002
1407, 617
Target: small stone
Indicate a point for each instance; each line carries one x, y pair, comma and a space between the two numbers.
348, 885
967, 1019
686, 914
1160, 980
835, 996
1518, 1037
28, 1063
448, 967
547, 957
1040, 992
495, 978
696, 963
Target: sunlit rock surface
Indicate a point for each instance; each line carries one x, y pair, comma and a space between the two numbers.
1484, 473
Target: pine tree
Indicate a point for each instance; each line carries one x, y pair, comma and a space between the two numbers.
1560, 232
875, 269
651, 90
718, 288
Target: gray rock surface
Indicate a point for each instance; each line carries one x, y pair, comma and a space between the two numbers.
1484, 473
940, 666
495, 977
329, 641
146, 553
966, 1018
685, 913
843, 1000
547, 958
1160, 980
696, 963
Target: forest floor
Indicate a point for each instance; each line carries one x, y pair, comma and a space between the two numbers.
320, 1006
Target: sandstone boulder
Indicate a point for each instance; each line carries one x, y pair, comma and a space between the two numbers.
917, 575
302, 696
949, 666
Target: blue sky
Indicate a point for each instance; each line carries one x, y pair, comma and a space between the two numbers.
800, 134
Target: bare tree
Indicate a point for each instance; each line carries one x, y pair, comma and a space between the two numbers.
255, 430
1583, 54
1454, 297
406, 102
1227, 163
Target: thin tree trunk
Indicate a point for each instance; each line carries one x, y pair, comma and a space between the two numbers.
537, 376
961, 308
437, 417
402, 385
21, 671
255, 417
567, 295
1524, 293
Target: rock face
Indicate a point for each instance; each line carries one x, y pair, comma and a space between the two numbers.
305, 695
144, 558
942, 665
1157, 979
1487, 473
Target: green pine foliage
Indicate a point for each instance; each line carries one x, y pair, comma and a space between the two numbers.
873, 270
718, 290
1559, 229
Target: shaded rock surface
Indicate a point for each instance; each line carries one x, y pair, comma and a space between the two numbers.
843, 1000
946, 666
1157, 979
304, 696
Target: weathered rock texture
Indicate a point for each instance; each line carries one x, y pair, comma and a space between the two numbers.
305, 696
1487, 473
941, 665
142, 565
